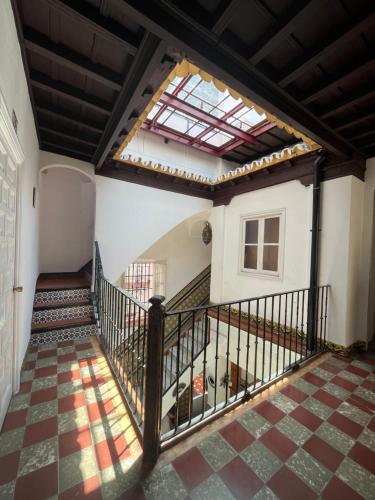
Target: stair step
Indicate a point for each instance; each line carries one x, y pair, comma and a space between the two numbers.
72, 332
62, 295
56, 325
58, 314
57, 305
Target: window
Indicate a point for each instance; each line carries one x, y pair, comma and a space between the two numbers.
143, 279
261, 244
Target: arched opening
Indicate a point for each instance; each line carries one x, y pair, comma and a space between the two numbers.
67, 216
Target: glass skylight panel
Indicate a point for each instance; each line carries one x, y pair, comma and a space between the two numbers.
180, 122
197, 129
217, 138
208, 93
165, 114
229, 103
153, 112
252, 118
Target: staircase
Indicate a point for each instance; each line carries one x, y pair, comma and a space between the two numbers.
62, 308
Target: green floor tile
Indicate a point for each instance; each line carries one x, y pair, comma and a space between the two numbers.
216, 451
354, 413
261, 460
211, 488
367, 438
11, 441
312, 472
19, 402
42, 411
295, 431
304, 386
324, 374
38, 455
164, 484
7, 490
365, 394
358, 478
337, 391
265, 494
69, 388
75, 468
42, 363
282, 402
319, 409
333, 436
44, 382
254, 423
71, 420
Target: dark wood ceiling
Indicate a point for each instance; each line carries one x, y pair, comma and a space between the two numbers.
92, 65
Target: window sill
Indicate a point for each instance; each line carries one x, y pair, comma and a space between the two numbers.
260, 275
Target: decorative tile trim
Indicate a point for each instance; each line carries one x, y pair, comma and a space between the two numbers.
358, 346
63, 334
69, 295
60, 314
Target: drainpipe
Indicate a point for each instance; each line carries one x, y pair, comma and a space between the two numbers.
314, 254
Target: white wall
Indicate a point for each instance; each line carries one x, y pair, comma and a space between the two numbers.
67, 210
183, 252
341, 249
130, 218
15, 92
152, 147
227, 282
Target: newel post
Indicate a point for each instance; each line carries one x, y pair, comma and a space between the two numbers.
154, 381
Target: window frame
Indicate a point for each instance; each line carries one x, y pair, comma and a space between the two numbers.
261, 217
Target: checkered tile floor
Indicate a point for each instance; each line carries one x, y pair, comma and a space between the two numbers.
67, 434
313, 439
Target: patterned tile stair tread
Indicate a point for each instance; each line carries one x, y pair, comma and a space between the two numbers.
49, 315
67, 295
58, 304
70, 333
53, 325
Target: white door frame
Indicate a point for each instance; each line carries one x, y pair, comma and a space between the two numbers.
14, 149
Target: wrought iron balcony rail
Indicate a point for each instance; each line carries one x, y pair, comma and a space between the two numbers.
233, 348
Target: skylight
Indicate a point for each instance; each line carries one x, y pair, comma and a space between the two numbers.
196, 112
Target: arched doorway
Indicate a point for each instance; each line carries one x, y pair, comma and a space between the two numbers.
67, 216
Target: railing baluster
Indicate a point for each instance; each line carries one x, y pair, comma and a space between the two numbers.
264, 337
204, 358
238, 350
256, 342
227, 357
216, 354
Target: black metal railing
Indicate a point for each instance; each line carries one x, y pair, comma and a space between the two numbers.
235, 349
120, 319
246, 344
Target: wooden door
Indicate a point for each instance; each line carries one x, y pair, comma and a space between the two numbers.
8, 193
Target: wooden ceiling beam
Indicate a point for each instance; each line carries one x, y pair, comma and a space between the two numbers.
281, 30
313, 56
355, 120
58, 53
104, 26
224, 15
148, 61
202, 47
66, 91
70, 137
354, 98
366, 63
62, 149
69, 119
